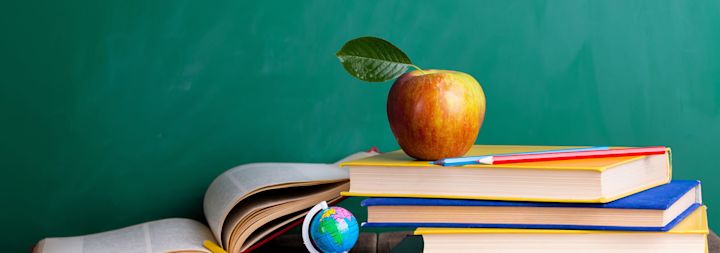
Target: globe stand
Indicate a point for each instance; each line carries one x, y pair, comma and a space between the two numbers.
306, 226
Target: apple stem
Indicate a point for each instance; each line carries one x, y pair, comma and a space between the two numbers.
418, 68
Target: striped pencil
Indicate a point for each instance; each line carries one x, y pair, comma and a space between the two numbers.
465, 160
522, 158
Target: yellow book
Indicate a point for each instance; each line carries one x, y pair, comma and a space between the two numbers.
688, 236
597, 180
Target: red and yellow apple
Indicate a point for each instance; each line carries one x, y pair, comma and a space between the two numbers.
435, 114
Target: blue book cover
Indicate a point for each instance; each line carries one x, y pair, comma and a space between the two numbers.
658, 198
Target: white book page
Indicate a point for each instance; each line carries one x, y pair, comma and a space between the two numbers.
160, 236
232, 186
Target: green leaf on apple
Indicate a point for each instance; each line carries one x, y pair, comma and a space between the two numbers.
373, 59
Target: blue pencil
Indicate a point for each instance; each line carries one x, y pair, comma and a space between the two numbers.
458, 161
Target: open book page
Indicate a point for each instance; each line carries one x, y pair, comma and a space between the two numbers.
162, 236
256, 203
238, 183
265, 212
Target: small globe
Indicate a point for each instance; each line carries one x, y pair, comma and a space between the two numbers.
334, 230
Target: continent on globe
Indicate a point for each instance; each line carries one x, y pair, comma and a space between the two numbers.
334, 229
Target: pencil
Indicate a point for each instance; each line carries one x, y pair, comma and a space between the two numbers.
457, 161
522, 158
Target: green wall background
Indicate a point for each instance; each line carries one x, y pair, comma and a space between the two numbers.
119, 112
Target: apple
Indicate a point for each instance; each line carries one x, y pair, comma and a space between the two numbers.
435, 114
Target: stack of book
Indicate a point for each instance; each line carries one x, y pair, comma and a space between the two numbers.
613, 204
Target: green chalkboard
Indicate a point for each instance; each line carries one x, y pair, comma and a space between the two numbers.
118, 112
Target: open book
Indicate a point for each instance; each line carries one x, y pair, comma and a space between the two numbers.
242, 206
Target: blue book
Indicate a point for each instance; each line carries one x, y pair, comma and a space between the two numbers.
655, 209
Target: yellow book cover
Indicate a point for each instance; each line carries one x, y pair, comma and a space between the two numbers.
695, 223
690, 235
398, 158
387, 169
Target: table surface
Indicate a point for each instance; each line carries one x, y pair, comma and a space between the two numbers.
395, 242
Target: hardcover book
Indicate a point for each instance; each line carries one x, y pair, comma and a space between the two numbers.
596, 180
657, 209
690, 236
